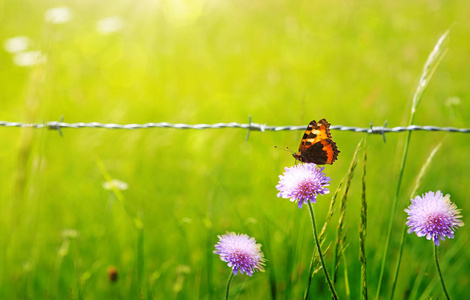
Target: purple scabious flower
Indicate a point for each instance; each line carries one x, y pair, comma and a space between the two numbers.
241, 252
434, 216
302, 183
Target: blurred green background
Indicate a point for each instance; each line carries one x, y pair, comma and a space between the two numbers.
206, 61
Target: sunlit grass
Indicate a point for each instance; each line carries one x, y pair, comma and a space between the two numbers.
283, 63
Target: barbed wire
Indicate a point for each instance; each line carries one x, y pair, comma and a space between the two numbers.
382, 130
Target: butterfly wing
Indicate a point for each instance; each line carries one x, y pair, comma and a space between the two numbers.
322, 152
316, 145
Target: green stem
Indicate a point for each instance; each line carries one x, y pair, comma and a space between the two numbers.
440, 274
397, 269
429, 67
320, 255
228, 284
392, 212
310, 272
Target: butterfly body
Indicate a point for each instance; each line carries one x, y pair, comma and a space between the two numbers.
317, 145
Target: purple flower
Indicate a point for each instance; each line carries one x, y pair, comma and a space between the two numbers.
433, 216
303, 183
241, 252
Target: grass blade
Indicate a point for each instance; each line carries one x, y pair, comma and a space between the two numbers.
363, 229
413, 193
429, 67
339, 246
138, 223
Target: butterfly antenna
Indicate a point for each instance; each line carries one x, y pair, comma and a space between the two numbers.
287, 149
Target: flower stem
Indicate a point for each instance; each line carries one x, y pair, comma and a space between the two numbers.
320, 255
440, 274
228, 284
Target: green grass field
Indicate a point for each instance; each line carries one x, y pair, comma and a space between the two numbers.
207, 61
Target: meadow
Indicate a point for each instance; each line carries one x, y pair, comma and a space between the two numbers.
202, 62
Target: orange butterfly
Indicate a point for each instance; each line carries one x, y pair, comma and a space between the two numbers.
316, 145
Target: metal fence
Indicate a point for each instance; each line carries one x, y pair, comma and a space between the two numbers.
382, 130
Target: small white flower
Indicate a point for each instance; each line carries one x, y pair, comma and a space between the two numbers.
58, 15
17, 44
115, 183
29, 58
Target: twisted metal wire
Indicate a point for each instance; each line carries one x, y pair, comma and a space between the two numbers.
54, 125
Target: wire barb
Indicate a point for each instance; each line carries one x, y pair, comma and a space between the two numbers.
249, 128
379, 130
55, 125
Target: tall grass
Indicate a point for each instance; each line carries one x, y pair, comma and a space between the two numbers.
282, 63
430, 66
138, 223
418, 182
340, 246
363, 228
